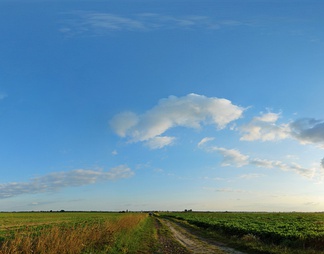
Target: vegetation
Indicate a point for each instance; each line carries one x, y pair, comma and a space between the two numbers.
139, 233
75, 233
265, 232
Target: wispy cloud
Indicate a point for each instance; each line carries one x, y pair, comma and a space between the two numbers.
191, 111
233, 157
99, 23
159, 142
250, 176
58, 180
204, 141
96, 23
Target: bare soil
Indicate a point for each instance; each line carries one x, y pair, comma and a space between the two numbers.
195, 243
167, 243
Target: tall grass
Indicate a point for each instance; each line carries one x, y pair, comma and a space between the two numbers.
140, 239
90, 237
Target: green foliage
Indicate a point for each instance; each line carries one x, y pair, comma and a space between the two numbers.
293, 230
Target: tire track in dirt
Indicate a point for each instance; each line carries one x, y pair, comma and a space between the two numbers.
167, 243
197, 244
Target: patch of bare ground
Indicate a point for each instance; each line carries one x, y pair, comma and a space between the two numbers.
194, 242
167, 244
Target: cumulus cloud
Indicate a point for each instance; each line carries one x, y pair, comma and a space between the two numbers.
191, 111
265, 128
123, 122
57, 180
233, 157
308, 130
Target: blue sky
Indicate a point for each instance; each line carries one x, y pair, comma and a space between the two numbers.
164, 105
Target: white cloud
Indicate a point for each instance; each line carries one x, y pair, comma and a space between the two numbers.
57, 180
191, 111
233, 157
294, 167
159, 142
122, 122
265, 128
204, 141
230, 156
268, 117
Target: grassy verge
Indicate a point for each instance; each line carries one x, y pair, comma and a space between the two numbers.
139, 239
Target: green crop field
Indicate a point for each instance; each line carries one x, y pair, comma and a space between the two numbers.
292, 230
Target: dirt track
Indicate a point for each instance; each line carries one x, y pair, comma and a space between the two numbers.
197, 244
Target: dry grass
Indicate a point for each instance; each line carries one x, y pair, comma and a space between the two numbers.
65, 239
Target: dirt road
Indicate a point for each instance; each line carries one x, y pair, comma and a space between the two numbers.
194, 243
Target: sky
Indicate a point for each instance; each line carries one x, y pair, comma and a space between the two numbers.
162, 105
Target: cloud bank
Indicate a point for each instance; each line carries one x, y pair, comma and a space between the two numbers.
58, 180
190, 111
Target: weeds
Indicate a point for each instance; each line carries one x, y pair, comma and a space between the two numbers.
83, 237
